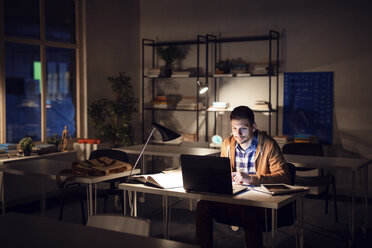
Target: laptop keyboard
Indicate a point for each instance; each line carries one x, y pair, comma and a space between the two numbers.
237, 188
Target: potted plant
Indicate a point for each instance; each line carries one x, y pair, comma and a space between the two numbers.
169, 55
26, 145
112, 117
55, 140
223, 66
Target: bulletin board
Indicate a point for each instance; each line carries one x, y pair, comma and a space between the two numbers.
308, 104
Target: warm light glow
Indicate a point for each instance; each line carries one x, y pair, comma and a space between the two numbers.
203, 90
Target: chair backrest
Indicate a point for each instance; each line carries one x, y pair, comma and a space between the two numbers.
121, 223
309, 149
292, 172
113, 154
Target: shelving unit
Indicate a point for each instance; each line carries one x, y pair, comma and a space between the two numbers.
198, 42
272, 75
210, 44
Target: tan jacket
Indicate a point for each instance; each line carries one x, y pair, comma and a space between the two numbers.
270, 164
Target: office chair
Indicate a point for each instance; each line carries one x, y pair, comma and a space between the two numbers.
117, 155
286, 215
121, 223
76, 190
312, 149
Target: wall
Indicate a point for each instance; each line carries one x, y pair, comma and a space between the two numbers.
112, 37
316, 36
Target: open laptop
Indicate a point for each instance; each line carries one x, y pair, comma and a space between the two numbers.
208, 174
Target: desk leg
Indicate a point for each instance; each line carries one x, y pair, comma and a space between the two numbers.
300, 222
365, 228
273, 226
42, 196
2, 193
352, 209
89, 199
135, 203
124, 202
166, 217
132, 194
95, 198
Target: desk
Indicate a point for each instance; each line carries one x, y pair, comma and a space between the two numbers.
248, 198
168, 151
48, 169
16, 159
350, 165
19, 230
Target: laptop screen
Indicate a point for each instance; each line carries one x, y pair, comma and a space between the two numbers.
206, 174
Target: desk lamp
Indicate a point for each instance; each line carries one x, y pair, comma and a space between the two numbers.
168, 137
203, 87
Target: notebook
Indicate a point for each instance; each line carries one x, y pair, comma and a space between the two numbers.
279, 188
208, 174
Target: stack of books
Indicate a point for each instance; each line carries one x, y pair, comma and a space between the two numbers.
218, 106
305, 138
153, 72
262, 106
181, 73
238, 69
260, 69
160, 102
282, 140
189, 102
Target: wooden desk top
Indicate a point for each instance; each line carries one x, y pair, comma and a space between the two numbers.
336, 163
169, 150
249, 197
19, 230
54, 155
50, 168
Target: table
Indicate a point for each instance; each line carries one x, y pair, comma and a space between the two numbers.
248, 198
48, 169
350, 165
19, 230
16, 159
168, 151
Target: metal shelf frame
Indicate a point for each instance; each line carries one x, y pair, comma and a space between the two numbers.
273, 39
211, 42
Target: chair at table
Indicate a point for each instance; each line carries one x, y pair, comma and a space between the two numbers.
117, 155
121, 223
286, 215
312, 149
77, 190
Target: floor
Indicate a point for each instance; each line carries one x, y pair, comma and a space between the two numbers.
320, 230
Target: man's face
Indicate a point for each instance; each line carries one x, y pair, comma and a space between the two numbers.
242, 130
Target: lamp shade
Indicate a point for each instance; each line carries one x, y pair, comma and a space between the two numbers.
166, 134
203, 87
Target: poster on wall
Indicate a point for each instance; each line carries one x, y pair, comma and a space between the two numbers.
308, 105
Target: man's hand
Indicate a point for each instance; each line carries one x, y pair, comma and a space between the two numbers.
241, 177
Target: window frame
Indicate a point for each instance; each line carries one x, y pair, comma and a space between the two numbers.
43, 43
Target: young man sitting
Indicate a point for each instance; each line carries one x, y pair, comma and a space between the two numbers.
255, 158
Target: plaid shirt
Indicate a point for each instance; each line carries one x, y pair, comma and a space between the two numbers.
244, 160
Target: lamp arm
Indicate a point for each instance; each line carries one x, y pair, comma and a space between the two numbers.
140, 155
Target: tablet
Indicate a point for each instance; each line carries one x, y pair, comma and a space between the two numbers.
279, 188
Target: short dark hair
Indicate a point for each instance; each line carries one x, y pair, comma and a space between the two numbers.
242, 112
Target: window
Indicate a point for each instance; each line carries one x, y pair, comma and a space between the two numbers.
40, 68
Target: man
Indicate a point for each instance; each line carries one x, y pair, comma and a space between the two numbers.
255, 158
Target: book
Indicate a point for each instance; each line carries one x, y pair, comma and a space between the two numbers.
279, 188
223, 75
161, 180
243, 74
